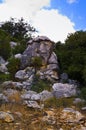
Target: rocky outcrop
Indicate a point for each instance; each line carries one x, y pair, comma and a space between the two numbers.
41, 48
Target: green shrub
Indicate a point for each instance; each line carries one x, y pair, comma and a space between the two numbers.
83, 93
40, 85
13, 67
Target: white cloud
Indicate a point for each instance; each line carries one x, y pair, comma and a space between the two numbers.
48, 22
71, 1
53, 24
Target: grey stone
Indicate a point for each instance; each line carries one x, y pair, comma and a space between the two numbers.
64, 90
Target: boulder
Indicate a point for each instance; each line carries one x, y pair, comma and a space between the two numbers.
64, 90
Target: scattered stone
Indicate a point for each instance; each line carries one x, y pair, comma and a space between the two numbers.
70, 115
5, 116
32, 104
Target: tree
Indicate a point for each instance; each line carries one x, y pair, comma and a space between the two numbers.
18, 29
72, 56
5, 48
13, 66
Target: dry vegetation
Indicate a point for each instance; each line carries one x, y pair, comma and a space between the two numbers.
33, 119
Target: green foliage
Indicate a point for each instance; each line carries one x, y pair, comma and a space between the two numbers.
72, 56
19, 48
14, 30
39, 85
13, 67
5, 49
83, 93
36, 62
4, 77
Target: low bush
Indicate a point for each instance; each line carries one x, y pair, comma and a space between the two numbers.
59, 102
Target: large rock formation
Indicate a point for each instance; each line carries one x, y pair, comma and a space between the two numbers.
41, 47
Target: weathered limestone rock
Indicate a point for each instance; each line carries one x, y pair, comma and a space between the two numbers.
64, 90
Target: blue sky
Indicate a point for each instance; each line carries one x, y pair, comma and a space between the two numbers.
75, 10
52, 18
